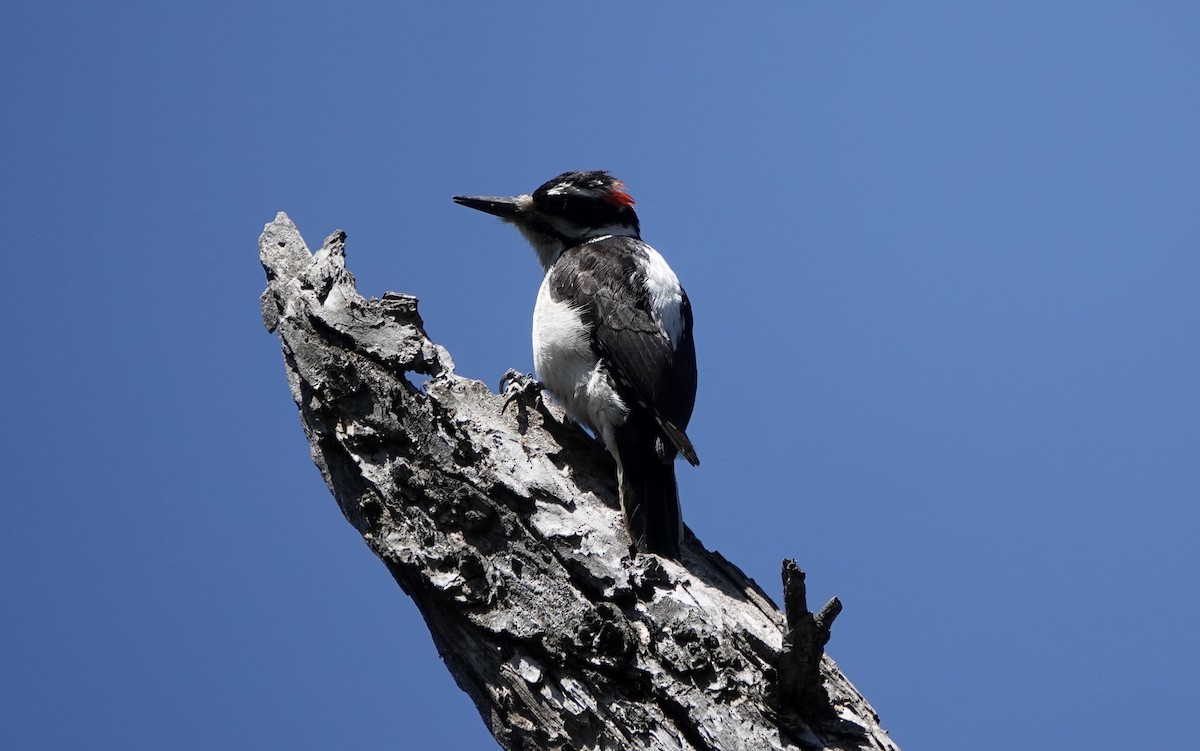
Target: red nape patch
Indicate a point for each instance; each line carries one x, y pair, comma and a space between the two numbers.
618, 196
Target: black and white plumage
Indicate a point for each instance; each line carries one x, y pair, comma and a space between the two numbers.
612, 339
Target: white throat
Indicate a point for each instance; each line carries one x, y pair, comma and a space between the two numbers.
548, 248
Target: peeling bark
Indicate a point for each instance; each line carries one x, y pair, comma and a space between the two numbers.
503, 527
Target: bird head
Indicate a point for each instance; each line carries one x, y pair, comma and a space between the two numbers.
564, 212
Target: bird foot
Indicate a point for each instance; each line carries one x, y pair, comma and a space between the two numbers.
516, 385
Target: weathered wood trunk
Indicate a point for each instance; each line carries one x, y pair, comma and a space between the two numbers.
502, 525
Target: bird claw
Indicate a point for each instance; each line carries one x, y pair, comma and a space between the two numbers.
515, 385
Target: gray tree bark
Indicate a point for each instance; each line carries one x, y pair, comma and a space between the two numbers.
503, 526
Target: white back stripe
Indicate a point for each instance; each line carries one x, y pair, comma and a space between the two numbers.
666, 296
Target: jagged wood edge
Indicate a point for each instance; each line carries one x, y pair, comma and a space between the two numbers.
503, 528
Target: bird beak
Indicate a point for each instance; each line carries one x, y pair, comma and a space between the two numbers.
505, 208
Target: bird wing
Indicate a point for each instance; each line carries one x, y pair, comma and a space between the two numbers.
595, 279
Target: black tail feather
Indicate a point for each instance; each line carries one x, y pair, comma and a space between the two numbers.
649, 496
681, 441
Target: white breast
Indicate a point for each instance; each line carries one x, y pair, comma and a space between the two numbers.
570, 370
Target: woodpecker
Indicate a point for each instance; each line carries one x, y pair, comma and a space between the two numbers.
612, 339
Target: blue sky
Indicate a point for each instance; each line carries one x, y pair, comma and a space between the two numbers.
943, 259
